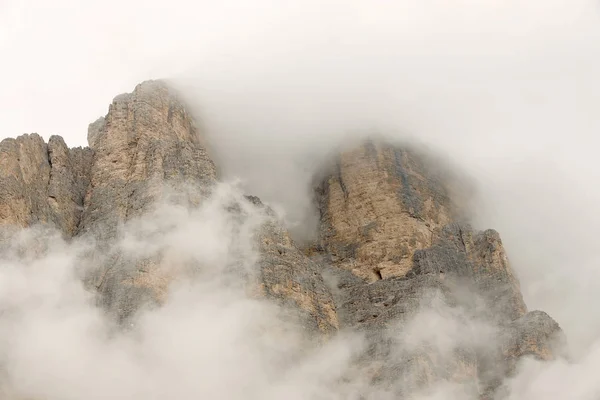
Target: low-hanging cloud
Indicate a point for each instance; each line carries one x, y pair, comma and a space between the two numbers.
506, 89
210, 338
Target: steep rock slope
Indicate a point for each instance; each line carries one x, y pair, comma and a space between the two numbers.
395, 241
146, 144
42, 183
145, 150
146, 140
378, 207
392, 240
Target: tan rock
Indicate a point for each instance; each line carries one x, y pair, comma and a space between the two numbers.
392, 240
378, 207
290, 277
146, 142
392, 233
42, 183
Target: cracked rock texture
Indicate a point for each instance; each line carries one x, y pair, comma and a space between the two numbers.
392, 240
393, 243
146, 141
288, 275
380, 205
42, 183
147, 148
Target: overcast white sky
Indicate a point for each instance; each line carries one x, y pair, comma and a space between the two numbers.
509, 87
63, 61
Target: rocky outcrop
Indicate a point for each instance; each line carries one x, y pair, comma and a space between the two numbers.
393, 241
387, 214
42, 183
392, 237
146, 143
146, 150
379, 206
451, 271
479, 261
291, 278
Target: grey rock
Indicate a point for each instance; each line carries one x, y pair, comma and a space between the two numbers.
290, 277
146, 143
380, 204
478, 260
94, 130
42, 183
147, 149
393, 241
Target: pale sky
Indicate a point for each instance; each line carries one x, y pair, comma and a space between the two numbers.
509, 87
63, 61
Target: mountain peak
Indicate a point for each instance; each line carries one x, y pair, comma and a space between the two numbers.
391, 239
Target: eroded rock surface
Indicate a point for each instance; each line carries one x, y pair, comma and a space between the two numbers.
147, 150
289, 276
42, 183
392, 237
378, 207
146, 143
145, 146
393, 242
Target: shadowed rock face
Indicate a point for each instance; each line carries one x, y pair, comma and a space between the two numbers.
392, 240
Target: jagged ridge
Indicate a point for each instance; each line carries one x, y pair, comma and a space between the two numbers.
390, 234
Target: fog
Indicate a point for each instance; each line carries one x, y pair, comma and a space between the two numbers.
507, 90
209, 340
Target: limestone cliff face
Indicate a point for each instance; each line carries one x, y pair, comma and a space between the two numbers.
288, 275
391, 239
378, 207
386, 214
146, 146
146, 140
42, 183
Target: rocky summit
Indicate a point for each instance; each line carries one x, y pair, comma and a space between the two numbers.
394, 242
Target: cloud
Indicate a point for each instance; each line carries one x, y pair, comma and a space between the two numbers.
506, 89
210, 338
